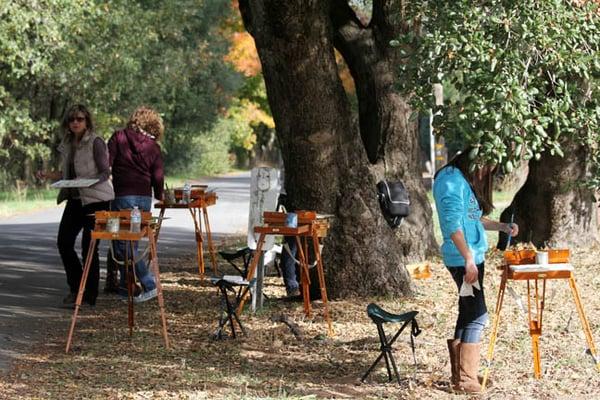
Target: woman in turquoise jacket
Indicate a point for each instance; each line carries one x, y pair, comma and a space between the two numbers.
463, 197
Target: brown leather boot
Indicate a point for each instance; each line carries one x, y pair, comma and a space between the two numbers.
454, 350
469, 365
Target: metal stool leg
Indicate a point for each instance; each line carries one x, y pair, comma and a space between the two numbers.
382, 354
223, 317
386, 351
230, 311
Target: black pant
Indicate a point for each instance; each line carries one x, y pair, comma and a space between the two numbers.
75, 218
289, 268
472, 311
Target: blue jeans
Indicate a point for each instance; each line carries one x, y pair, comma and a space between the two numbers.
289, 270
472, 311
145, 277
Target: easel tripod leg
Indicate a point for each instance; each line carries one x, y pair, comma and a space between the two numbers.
251, 271
130, 276
535, 345
86, 271
304, 276
584, 322
161, 216
322, 286
161, 302
211, 247
490, 354
199, 250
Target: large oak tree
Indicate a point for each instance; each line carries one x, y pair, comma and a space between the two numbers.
334, 155
525, 79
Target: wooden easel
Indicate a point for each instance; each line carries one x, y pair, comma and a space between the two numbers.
198, 207
535, 272
100, 233
308, 227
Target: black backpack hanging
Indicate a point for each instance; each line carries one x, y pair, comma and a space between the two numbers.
394, 202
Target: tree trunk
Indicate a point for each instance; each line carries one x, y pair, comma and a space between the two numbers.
331, 165
552, 208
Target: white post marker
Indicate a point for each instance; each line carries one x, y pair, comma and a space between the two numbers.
264, 190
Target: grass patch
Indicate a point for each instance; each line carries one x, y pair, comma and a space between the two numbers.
17, 202
14, 202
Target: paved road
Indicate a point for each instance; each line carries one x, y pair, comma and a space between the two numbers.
32, 280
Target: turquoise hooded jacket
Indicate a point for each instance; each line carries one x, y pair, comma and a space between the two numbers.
458, 209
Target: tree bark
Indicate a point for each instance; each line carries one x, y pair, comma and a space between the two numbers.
552, 208
333, 163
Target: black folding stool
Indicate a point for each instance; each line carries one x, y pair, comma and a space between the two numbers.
379, 316
227, 285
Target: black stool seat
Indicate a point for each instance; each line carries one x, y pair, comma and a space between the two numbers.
245, 254
379, 316
227, 285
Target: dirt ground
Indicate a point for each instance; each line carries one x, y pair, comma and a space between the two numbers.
270, 362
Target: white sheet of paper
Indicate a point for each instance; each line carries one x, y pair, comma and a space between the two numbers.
74, 183
542, 267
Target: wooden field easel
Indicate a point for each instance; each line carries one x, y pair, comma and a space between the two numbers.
198, 206
100, 233
308, 227
535, 273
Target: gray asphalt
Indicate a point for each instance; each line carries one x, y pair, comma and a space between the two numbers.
32, 279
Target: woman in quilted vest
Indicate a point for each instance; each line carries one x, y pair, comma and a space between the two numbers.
463, 198
83, 156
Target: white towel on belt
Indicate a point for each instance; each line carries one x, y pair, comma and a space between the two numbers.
466, 289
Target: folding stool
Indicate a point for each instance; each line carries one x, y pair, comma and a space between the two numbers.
379, 316
227, 285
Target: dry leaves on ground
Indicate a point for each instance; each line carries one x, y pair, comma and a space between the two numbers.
270, 362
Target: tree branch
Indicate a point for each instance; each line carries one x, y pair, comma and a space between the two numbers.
355, 43
246, 12
388, 19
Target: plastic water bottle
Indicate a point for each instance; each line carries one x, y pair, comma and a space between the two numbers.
136, 220
187, 193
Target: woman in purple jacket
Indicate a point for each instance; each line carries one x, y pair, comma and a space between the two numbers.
137, 170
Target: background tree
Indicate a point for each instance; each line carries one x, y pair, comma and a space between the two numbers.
527, 74
113, 56
333, 159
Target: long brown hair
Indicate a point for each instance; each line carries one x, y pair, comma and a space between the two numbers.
483, 187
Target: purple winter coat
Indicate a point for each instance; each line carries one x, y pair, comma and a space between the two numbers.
136, 162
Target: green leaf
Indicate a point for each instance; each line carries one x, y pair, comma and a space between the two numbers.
559, 151
540, 131
473, 153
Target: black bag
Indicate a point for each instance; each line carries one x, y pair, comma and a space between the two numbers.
394, 202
